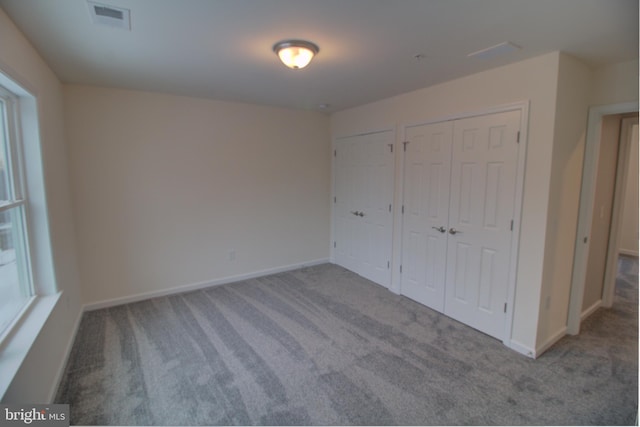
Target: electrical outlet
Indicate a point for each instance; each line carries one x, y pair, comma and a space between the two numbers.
232, 255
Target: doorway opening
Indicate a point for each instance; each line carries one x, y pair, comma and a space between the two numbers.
607, 163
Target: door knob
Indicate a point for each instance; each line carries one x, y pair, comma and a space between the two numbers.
454, 231
440, 229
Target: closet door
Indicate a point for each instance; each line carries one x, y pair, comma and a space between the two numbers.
364, 194
426, 213
346, 225
483, 187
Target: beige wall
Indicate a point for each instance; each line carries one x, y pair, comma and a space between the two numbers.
629, 227
165, 187
36, 379
534, 80
615, 83
571, 106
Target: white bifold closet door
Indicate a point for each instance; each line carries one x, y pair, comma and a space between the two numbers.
426, 213
460, 187
362, 208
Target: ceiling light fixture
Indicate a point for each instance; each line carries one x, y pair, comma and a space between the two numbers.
295, 54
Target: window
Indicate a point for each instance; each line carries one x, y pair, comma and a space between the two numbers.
16, 288
28, 288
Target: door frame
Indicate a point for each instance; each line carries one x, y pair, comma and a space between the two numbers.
586, 207
523, 108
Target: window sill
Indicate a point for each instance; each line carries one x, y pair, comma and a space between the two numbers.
18, 342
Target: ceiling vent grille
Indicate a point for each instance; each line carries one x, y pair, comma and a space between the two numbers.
494, 51
111, 16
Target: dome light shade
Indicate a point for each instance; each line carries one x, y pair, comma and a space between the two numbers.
295, 54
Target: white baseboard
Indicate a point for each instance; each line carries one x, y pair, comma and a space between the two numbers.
550, 341
522, 349
535, 353
589, 311
196, 286
65, 359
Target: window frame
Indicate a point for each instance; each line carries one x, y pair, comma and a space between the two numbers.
17, 342
19, 203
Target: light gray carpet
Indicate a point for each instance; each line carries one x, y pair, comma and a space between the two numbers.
323, 346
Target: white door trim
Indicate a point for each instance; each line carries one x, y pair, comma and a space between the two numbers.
585, 213
511, 106
517, 221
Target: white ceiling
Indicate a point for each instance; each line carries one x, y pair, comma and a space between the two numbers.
222, 49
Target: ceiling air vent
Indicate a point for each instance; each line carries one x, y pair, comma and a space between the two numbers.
494, 51
110, 16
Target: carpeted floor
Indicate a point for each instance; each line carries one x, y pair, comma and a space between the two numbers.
323, 346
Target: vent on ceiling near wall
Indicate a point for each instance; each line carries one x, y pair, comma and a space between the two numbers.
111, 16
494, 51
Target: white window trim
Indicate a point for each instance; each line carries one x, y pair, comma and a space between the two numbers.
18, 198
19, 337
22, 334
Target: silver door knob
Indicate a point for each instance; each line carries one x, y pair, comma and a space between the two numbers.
454, 231
440, 229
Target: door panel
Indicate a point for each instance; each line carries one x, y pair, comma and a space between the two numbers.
426, 204
483, 176
344, 184
364, 193
377, 214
